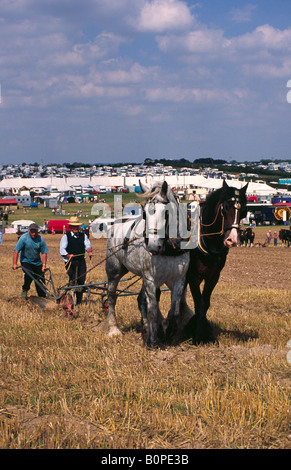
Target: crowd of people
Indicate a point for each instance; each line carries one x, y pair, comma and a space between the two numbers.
33, 252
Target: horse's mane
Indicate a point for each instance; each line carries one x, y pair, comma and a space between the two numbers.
221, 194
214, 196
155, 190
224, 193
150, 193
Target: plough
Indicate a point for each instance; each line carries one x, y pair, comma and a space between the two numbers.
64, 296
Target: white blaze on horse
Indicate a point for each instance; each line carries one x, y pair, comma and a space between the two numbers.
141, 247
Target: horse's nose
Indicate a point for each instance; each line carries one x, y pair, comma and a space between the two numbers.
231, 239
155, 248
229, 242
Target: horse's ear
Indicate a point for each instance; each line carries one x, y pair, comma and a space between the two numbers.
144, 188
225, 185
164, 189
244, 189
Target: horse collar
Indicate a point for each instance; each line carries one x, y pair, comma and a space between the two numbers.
204, 250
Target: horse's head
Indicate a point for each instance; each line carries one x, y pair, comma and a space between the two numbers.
221, 215
159, 201
233, 209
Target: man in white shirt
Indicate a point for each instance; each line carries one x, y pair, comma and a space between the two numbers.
73, 247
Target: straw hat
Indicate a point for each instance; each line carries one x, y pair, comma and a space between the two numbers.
74, 221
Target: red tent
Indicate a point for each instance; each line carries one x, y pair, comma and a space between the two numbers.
7, 202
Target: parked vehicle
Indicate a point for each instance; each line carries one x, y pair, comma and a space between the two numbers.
58, 225
21, 225
269, 214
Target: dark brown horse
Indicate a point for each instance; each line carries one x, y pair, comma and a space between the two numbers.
220, 216
249, 236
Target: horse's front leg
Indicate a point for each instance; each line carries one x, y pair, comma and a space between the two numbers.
150, 321
110, 323
204, 332
174, 320
142, 305
199, 327
115, 271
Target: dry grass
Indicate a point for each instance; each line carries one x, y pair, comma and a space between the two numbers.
63, 384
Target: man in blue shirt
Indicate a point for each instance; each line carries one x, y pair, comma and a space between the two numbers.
73, 247
33, 256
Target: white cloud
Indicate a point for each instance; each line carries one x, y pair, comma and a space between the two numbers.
266, 50
159, 16
269, 70
264, 37
90, 90
211, 40
242, 15
194, 42
88, 63
179, 94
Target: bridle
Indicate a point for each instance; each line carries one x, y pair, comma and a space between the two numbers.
237, 208
154, 231
221, 211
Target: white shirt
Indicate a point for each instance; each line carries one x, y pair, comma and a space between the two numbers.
64, 244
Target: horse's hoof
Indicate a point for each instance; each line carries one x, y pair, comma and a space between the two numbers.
204, 333
114, 331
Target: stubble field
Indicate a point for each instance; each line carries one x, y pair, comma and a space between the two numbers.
64, 384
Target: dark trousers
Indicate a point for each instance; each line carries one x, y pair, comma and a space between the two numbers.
36, 272
77, 276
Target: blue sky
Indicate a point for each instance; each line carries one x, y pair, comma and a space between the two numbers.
106, 81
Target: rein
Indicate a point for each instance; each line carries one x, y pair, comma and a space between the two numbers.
119, 247
221, 232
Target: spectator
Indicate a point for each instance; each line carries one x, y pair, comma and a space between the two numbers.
275, 238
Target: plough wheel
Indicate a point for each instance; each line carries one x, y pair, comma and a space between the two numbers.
68, 301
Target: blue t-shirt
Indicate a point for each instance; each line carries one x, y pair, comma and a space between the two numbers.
30, 249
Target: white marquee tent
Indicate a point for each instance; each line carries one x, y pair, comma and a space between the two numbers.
181, 181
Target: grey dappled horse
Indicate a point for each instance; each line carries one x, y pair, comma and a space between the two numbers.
140, 246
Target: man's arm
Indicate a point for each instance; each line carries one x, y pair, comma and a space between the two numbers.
15, 259
44, 261
63, 248
90, 252
88, 246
